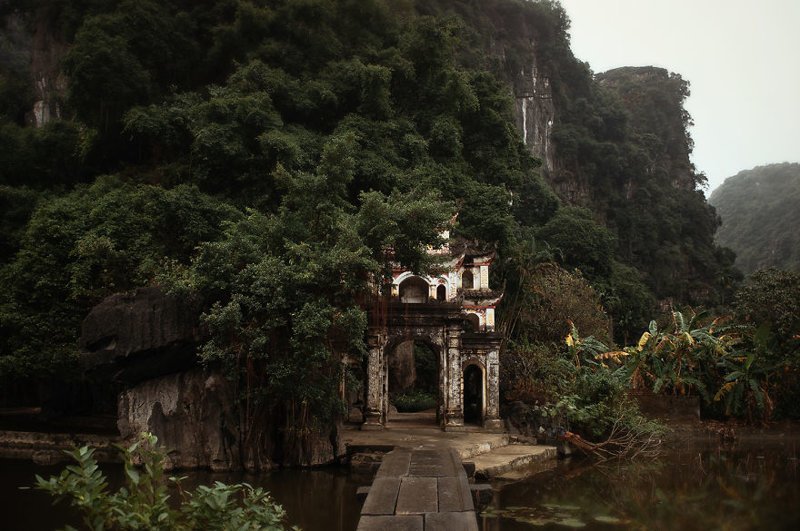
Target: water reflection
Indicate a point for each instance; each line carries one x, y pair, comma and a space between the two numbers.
695, 487
315, 500
698, 486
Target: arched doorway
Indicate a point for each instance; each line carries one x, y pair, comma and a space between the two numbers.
412, 368
473, 394
414, 290
441, 293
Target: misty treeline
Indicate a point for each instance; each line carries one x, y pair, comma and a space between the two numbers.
760, 215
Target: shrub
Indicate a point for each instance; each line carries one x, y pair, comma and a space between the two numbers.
144, 501
414, 400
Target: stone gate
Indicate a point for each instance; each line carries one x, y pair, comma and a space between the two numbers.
452, 314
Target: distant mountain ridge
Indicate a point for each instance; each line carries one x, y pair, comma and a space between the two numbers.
760, 211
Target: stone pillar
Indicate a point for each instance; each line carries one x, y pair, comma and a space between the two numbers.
373, 411
490, 319
454, 414
484, 277
492, 420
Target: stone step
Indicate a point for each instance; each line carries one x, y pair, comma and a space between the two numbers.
473, 450
49, 448
510, 458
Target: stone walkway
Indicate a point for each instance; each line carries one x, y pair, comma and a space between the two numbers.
420, 490
493, 453
419, 430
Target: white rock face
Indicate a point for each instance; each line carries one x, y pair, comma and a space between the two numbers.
535, 113
192, 415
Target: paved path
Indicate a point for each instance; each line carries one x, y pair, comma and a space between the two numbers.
424, 489
419, 430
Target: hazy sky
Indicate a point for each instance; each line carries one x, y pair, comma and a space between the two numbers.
742, 58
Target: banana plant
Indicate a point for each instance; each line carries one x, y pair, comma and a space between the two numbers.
745, 390
677, 359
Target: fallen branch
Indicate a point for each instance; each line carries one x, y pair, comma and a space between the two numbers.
621, 442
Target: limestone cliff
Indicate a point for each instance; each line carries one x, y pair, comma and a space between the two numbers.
653, 98
50, 84
32, 49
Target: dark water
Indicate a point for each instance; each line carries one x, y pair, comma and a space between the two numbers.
314, 499
753, 485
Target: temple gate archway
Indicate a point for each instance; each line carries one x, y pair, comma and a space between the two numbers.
452, 314
413, 379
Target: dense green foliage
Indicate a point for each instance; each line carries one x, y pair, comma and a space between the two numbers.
144, 501
571, 389
85, 245
769, 302
270, 157
265, 157
760, 216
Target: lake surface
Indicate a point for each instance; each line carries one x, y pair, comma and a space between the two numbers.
750, 485
323, 499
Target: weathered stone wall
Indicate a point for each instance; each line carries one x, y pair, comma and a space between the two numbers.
193, 415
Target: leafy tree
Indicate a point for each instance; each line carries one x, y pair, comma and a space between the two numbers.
106, 77
745, 391
287, 293
627, 299
17, 205
583, 243
680, 359
78, 248
549, 300
771, 299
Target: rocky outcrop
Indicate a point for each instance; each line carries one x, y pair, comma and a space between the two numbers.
146, 343
134, 337
32, 47
193, 415
50, 83
535, 112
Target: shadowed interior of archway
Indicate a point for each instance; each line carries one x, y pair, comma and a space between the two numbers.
473, 394
413, 380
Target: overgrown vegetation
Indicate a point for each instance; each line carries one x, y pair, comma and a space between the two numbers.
270, 157
144, 502
414, 400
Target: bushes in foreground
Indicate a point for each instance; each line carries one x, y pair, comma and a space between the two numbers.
144, 501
